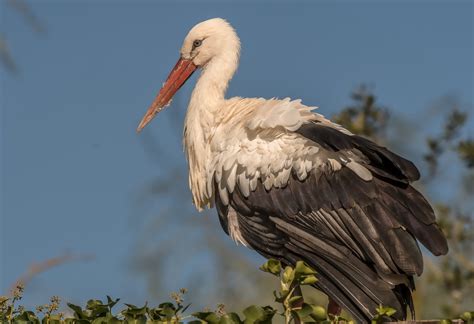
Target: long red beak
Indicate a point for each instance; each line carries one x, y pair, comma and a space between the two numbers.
178, 76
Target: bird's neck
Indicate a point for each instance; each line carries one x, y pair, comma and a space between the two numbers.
211, 86
207, 99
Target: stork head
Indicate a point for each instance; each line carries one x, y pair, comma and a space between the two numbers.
207, 42
209, 39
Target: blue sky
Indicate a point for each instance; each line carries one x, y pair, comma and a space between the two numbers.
72, 164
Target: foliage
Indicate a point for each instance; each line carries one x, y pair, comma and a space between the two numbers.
289, 295
294, 308
454, 273
364, 117
384, 313
8, 308
97, 311
448, 140
467, 317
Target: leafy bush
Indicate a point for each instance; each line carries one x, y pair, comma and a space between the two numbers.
97, 311
293, 307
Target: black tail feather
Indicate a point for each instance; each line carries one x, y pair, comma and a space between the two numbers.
360, 299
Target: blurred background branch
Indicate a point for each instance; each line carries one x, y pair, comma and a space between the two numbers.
24, 10
37, 268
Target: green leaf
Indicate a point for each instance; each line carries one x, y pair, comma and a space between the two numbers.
272, 266
154, 314
209, 317
309, 280
93, 303
445, 321
294, 299
164, 312
166, 305
305, 311
385, 311
318, 313
27, 317
78, 312
136, 321
466, 316
231, 318
135, 313
390, 312
68, 320
99, 311
51, 319
302, 269
288, 275
111, 303
108, 319
168, 312
253, 313
338, 318
257, 314
8, 311
3, 300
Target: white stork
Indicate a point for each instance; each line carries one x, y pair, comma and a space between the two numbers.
292, 185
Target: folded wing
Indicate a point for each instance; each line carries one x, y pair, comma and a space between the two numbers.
335, 200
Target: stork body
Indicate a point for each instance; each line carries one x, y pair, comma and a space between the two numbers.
292, 185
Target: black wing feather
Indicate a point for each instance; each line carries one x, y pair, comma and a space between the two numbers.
359, 235
383, 162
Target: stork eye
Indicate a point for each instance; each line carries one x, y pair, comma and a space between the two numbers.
197, 43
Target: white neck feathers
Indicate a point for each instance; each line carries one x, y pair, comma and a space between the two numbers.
207, 98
